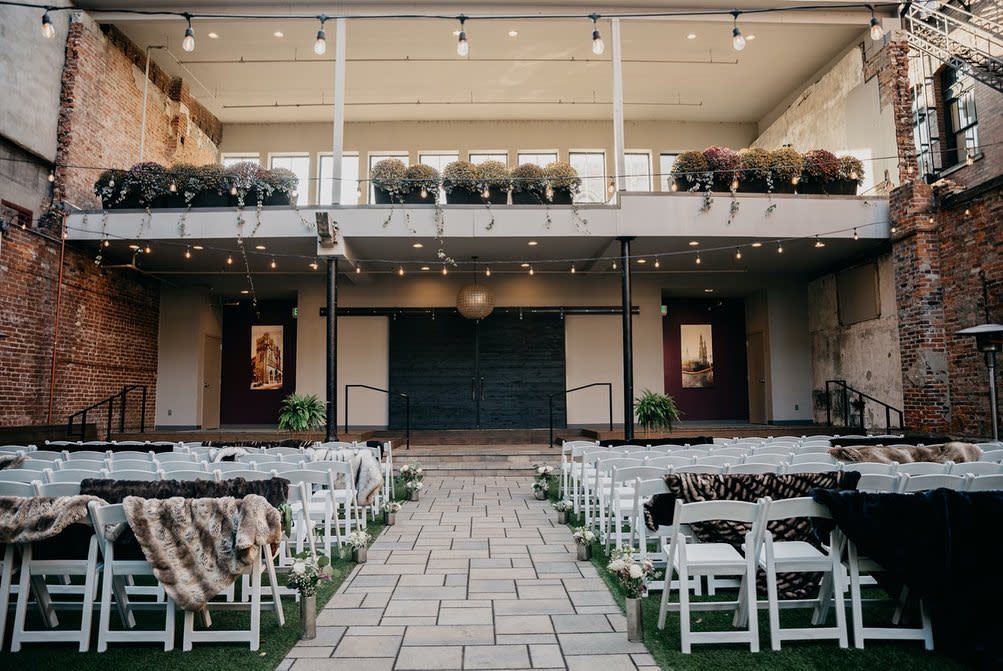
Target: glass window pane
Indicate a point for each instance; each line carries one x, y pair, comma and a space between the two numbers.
439, 162
479, 157
232, 159
376, 158
638, 171
300, 166
349, 180
541, 158
591, 167
665, 162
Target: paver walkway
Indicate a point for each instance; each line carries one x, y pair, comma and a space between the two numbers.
475, 575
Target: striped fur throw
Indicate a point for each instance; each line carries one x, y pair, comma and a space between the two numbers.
198, 547
31, 519
956, 452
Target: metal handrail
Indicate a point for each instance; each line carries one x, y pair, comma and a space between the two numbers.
407, 408
847, 391
960, 39
122, 396
550, 401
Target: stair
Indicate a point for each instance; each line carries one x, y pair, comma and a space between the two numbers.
968, 43
538, 437
500, 459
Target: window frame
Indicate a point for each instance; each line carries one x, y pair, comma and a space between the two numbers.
240, 157
963, 87
309, 193
674, 153
320, 175
482, 152
603, 179
536, 152
651, 175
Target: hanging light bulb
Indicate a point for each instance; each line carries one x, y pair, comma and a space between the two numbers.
572, 269
818, 243
612, 186
549, 193
48, 30
313, 265
614, 265
673, 186
894, 229
107, 243
877, 32
188, 44
173, 188
273, 264
147, 250
734, 184
188, 252
737, 39
531, 270
462, 46
52, 176
424, 193
487, 272
486, 193
738, 254
598, 46
229, 260
969, 159
855, 236
400, 271
233, 190
320, 46
780, 248
699, 260
445, 271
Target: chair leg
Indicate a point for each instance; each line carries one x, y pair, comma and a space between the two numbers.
855, 602
684, 609
255, 606
104, 614
5, 583
189, 629
663, 608
90, 580
274, 585
838, 589
169, 613
750, 598
773, 599
924, 617
23, 589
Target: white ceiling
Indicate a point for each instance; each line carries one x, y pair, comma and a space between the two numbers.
407, 69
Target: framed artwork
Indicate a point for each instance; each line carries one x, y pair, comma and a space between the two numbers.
697, 355
266, 357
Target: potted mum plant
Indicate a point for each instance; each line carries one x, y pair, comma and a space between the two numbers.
633, 577
755, 175
819, 171
529, 185
284, 184
785, 165
655, 411
851, 175
307, 572
459, 180
246, 184
387, 177
412, 474
421, 184
359, 542
563, 508
584, 538
494, 181
143, 184
543, 480
563, 181
208, 187
690, 171
110, 188
302, 412
723, 164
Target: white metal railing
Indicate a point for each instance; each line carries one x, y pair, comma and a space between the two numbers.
970, 44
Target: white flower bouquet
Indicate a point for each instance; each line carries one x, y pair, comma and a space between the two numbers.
307, 571
584, 535
631, 574
391, 507
563, 506
358, 539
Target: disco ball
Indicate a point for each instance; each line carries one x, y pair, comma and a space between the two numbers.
475, 301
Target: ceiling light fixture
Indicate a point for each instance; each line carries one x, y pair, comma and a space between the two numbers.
877, 32
188, 43
524, 265
462, 46
213, 36
818, 243
737, 41
425, 268
757, 244
598, 46
260, 248
244, 291
198, 248
279, 33
513, 33
642, 260
320, 45
855, 236
694, 243
532, 243
691, 36
417, 245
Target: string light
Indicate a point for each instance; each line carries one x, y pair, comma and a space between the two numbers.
658, 263
146, 250
487, 272
877, 32
818, 243
969, 159
52, 176
445, 270
188, 252
780, 248
400, 271
486, 193
855, 236
358, 269
738, 254
273, 264
48, 30
572, 269
757, 244
107, 243
313, 265
320, 46
699, 260
894, 229
612, 186
598, 46
173, 188
424, 193
462, 46
531, 270
734, 184
229, 260
549, 193
737, 40
614, 265
967, 212
673, 186
188, 43
233, 190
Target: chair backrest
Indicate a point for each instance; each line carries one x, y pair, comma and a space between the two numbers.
131, 465
74, 474
57, 488
12, 449
627, 449
870, 468
976, 468
260, 458
814, 448
707, 511
245, 473
571, 444
986, 483
731, 452
335, 445
13, 488
992, 455
781, 449
102, 517
340, 473
813, 458
773, 459
61, 443
143, 475
753, 468
877, 483
228, 466
705, 469
172, 466
592, 455
77, 464
310, 477
189, 475
628, 473
924, 468
174, 458
718, 460
669, 461
283, 468
811, 467
130, 443
87, 454
21, 475
802, 506
921, 483
690, 452
47, 455
615, 461
130, 455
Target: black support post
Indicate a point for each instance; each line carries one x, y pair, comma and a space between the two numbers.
628, 341
332, 350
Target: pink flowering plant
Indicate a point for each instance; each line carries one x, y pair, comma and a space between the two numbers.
630, 573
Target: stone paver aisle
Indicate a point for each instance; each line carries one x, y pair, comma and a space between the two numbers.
476, 575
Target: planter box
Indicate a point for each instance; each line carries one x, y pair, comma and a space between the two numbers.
528, 198
464, 197
279, 198
383, 197
562, 197
497, 197
414, 198
756, 185
844, 187
813, 188
210, 199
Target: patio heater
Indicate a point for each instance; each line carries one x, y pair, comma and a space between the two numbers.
988, 339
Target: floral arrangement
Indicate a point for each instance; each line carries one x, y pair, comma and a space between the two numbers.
388, 175
246, 178
543, 478
691, 167
282, 181
208, 178
785, 164
821, 165
631, 574
754, 163
420, 176
528, 177
391, 507
851, 169
563, 506
307, 571
460, 175
584, 536
723, 163
560, 175
358, 539
110, 187
412, 475
145, 181
184, 176
493, 175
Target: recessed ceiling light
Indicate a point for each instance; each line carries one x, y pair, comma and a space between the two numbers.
757, 244
279, 33
513, 33
750, 37
532, 243
691, 36
244, 291
198, 247
642, 260
133, 246
425, 268
708, 291
524, 265
260, 247
417, 245
694, 243
213, 36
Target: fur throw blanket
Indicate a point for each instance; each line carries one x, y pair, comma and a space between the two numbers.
231, 453
688, 440
366, 471
198, 547
11, 461
956, 452
275, 490
26, 519
257, 443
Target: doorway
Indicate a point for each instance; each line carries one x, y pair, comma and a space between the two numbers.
212, 349
494, 373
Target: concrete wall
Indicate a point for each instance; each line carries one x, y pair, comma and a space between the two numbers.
836, 109
865, 354
757, 321
790, 354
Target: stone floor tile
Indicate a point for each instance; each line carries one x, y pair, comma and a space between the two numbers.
426, 593
526, 639
379, 630
311, 651
597, 598
643, 659
326, 636
533, 607
576, 624
546, 656
466, 616
421, 580
332, 617
496, 657
370, 664
599, 644
491, 586
523, 624
599, 663
421, 658
450, 635
412, 608
479, 602
368, 646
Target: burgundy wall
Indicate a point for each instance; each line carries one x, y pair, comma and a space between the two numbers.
729, 397
238, 404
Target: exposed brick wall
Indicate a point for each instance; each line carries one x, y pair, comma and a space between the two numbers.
107, 331
101, 109
890, 65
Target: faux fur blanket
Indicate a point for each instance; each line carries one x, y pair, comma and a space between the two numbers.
912, 439
11, 461
956, 452
25, 519
230, 453
198, 547
686, 440
275, 490
257, 443
366, 471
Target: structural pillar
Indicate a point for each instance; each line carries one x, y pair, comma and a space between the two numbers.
628, 341
338, 135
619, 158
332, 350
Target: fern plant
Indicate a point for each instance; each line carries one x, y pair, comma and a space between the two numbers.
302, 412
656, 411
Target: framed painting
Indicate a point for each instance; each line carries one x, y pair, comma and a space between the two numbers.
697, 355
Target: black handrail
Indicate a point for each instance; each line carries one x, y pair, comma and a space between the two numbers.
550, 401
407, 408
858, 404
122, 396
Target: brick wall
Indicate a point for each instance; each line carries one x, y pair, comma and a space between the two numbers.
890, 64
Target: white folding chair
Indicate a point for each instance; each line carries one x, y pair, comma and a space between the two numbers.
693, 558
57, 488
753, 468
245, 473
924, 468
117, 465
812, 458
73, 475
599, 489
668, 461
621, 498
130, 455
714, 460
706, 469
921, 483
774, 458
171, 467
583, 472
115, 572
801, 557
323, 511
976, 468
21, 475
341, 489
45, 455
91, 455
784, 450
812, 467
15, 488
870, 468
992, 455
144, 476
986, 483
877, 483
283, 468
737, 452
691, 452
165, 458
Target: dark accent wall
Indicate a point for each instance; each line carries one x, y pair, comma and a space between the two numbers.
729, 397
238, 403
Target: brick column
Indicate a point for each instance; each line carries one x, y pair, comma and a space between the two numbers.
890, 64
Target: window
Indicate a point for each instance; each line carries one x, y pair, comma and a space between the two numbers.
541, 158
349, 179
231, 159
478, 157
439, 161
376, 158
591, 167
961, 129
665, 162
857, 294
637, 166
299, 164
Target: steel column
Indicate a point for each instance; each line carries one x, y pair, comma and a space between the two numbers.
332, 350
628, 340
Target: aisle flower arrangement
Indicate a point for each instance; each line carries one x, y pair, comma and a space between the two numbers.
542, 480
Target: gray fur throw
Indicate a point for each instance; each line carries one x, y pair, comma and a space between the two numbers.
198, 547
11, 461
25, 519
956, 452
366, 471
226, 454
275, 490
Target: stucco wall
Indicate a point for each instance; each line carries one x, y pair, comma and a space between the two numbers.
790, 354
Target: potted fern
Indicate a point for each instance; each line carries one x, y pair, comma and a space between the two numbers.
302, 412
655, 411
